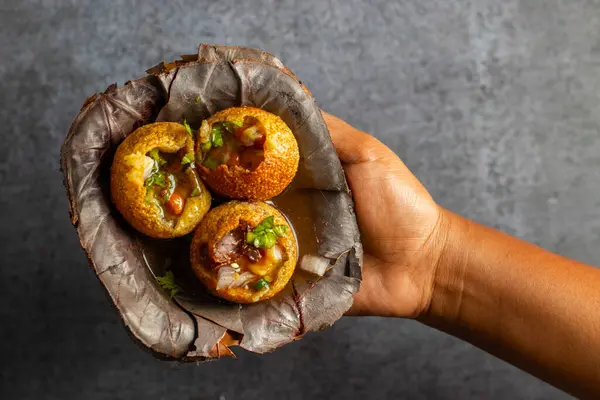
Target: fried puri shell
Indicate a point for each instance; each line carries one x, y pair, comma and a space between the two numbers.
127, 183
272, 176
226, 218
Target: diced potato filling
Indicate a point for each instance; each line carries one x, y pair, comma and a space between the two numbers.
170, 180
233, 144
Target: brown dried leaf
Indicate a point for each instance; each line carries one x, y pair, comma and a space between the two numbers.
196, 326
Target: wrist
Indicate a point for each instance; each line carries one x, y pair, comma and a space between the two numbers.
447, 283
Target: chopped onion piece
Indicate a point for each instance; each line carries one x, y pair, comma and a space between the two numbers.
250, 135
242, 279
204, 131
314, 264
225, 277
275, 254
148, 167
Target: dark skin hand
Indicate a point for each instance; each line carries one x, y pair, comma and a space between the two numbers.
400, 247
530, 307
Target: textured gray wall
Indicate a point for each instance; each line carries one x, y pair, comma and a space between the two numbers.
493, 104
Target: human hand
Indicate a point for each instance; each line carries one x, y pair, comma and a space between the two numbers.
530, 307
400, 224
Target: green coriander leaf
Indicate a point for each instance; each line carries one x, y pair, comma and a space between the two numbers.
197, 99
217, 141
210, 163
269, 222
157, 178
167, 282
187, 159
269, 240
206, 147
216, 137
231, 127
195, 192
218, 127
155, 155
261, 284
280, 230
258, 240
188, 128
265, 234
266, 223
149, 181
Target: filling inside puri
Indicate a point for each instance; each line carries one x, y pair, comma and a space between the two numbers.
248, 257
238, 143
170, 180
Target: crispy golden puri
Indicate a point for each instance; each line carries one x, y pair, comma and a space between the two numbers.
154, 184
247, 153
244, 252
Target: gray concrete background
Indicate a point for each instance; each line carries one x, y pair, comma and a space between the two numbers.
493, 104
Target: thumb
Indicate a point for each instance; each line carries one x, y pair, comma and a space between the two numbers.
352, 145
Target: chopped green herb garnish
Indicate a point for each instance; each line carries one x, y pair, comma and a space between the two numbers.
267, 223
210, 163
206, 147
167, 282
280, 230
155, 155
231, 126
188, 128
197, 99
266, 233
157, 178
216, 136
261, 284
187, 159
195, 192
218, 127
